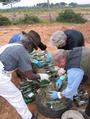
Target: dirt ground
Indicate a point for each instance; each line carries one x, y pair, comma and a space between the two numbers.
45, 30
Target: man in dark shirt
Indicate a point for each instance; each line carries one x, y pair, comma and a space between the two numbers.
14, 57
67, 39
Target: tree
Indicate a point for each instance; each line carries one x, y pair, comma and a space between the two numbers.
62, 3
69, 16
72, 4
9, 2
49, 10
42, 5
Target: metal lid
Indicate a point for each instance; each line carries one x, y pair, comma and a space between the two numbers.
72, 114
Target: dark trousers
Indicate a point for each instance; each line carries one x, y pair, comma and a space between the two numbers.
87, 111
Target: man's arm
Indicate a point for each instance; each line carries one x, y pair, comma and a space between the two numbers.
75, 76
24, 65
28, 74
32, 76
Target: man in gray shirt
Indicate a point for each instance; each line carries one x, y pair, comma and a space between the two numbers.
15, 57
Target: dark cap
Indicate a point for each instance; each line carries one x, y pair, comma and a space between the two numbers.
36, 39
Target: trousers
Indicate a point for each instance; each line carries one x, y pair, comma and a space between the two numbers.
12, 94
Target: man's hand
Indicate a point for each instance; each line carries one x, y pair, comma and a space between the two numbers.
59, 81
55, 95
61, 71
44, 76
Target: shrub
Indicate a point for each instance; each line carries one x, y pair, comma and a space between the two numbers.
70, 16
28, 20
4, 21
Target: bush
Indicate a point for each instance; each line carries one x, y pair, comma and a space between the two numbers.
28, 20
4, 21
70, 16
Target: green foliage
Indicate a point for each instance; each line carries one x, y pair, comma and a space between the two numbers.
4, 21
6, 2
28, 20
70, 16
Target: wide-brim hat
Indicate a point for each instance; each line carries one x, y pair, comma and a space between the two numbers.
36, 40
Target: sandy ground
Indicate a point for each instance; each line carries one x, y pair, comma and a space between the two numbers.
45, 30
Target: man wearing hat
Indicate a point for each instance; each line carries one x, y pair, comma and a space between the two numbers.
14, 57
67, 39
35, 37
33, 34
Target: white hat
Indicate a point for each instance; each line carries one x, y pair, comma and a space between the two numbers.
58, 39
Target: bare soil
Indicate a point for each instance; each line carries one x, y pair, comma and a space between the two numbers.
45, 30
